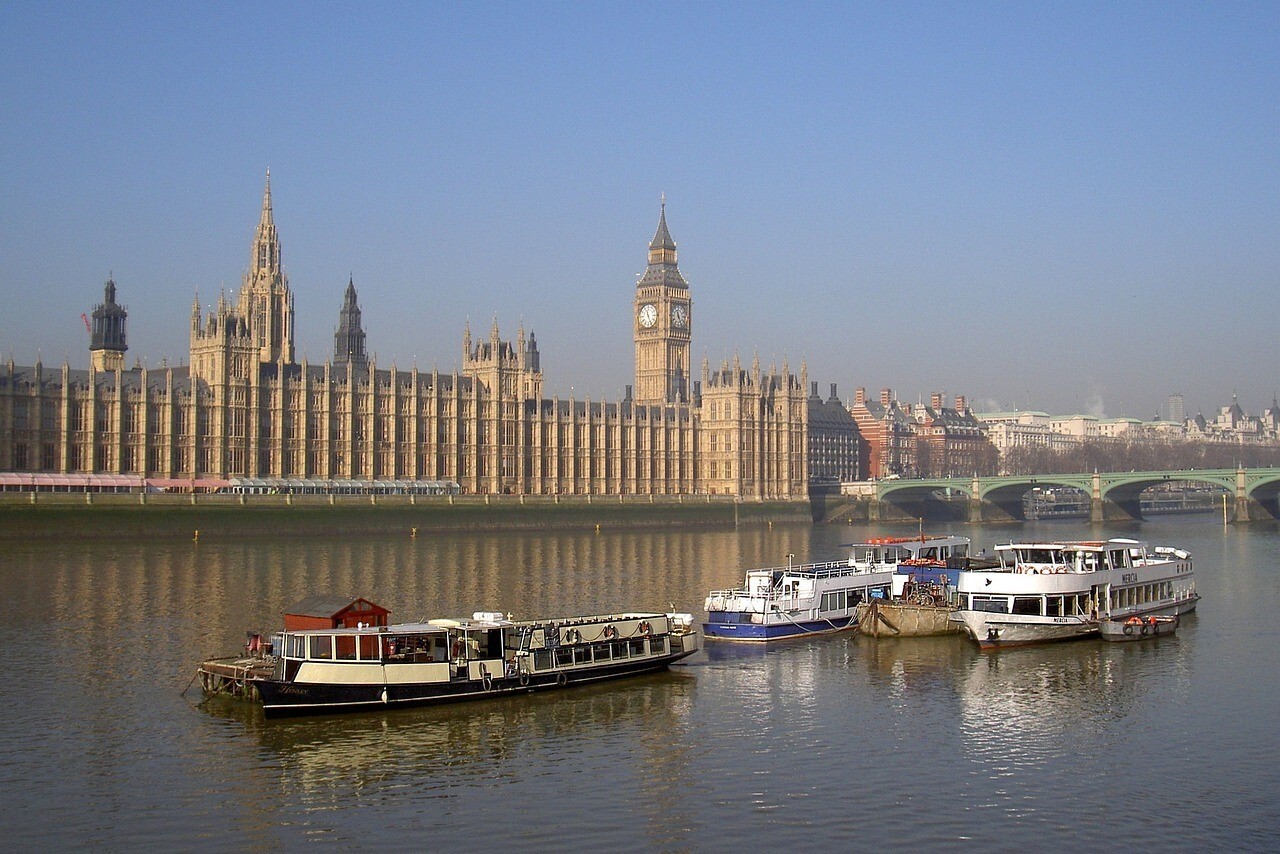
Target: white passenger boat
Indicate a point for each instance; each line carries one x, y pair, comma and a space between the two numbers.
351, 668
1049, 591
816, 598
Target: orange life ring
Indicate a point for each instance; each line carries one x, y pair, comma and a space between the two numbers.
644, 628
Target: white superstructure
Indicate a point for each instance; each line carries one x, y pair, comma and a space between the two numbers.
1047, 591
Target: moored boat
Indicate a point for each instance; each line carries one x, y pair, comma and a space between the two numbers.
789, 601
320, 670
923, 595
881, 618
1138, 628
1050, 591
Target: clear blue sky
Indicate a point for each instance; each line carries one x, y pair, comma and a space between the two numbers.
1065, 207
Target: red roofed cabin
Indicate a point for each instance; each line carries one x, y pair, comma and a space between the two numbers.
333, 612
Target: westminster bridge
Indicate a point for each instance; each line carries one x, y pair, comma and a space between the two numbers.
1251, 494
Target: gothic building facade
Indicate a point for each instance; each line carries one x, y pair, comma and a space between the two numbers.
244, 408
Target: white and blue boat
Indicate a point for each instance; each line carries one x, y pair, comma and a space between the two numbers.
816, 598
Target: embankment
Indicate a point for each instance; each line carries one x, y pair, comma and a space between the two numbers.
112, 516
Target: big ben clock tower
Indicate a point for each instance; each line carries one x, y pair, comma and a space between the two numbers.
663, 324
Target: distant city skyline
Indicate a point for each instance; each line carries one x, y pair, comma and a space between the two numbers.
1064, 208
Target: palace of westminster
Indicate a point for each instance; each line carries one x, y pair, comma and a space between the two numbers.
244, 408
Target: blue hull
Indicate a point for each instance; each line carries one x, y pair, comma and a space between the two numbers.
778, 631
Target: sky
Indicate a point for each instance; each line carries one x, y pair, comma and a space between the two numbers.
1067, 207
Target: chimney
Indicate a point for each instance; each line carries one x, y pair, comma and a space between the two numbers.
886, 396
628, 397
859, 396
813, 389
935, 401
834, 397
962, 405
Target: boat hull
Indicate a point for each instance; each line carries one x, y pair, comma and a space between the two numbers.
996, 631
1120, 631
899, 620
281, 699
760, 632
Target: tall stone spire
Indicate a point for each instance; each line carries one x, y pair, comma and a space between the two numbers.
266, 302
266, 243
348, 341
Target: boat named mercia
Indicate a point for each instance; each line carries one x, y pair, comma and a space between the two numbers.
1050, 591
364, 666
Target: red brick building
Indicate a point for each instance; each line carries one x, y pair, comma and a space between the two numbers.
920, 441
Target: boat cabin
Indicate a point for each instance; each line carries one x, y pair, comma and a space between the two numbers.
333, 612
1055, 558
919, 551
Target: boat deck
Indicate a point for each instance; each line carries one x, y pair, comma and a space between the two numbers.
234, 676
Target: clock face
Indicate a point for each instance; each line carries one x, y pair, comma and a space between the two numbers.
648, 315
679, 316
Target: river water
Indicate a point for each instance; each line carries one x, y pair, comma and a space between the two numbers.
833, 743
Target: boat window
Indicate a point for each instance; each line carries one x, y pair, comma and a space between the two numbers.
992, 604
657, 646
295, 646
1053, 606
369, 647
1026, 605
961, 550
636, 647
564, 656
321, 647
346, 647
1117, 558
542, 659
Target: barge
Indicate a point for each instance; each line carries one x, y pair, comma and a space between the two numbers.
365, 667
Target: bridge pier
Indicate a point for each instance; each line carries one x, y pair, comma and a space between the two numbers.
873, 509
975, 508
1249, 510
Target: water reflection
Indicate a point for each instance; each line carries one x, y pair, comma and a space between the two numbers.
452, 756
835, 740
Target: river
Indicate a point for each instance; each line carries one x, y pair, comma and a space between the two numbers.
833, 743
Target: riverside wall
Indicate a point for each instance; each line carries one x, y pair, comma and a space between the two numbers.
107, 516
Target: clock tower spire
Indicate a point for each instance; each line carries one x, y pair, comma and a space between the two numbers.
663, 324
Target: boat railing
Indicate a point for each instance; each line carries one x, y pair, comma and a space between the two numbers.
827, 569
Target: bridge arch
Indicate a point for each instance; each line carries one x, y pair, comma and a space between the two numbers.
919, 498
1008, 493
1124, 490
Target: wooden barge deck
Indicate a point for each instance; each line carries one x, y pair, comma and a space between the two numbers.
235, 676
